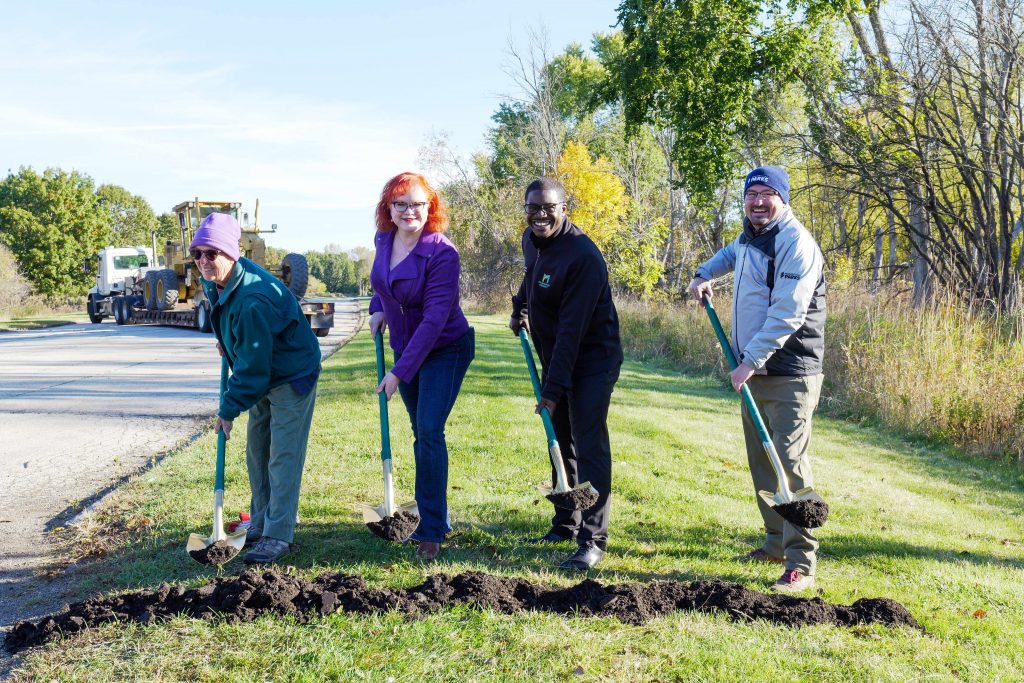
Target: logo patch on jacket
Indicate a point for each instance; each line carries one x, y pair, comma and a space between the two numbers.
545, 281
790, 276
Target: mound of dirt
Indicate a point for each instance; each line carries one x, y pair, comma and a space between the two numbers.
576, 499
256, 592
397, 527
215, 554
809, 514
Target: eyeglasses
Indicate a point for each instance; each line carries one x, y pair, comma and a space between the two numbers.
402, 207
210, 254
537, 208
767, 195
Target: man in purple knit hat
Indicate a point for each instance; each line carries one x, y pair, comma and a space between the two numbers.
778, 336
275, 362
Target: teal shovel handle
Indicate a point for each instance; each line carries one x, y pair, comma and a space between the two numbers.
382, 400
218, 484
748, 399
549, 429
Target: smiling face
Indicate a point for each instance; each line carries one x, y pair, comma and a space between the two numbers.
545, 211
409, 210
217, 269
762, 205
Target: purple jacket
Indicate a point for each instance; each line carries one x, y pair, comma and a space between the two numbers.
420, 298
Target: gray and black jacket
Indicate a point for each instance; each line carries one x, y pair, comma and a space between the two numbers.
778, 312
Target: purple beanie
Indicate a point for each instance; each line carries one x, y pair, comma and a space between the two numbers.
774, 177
221, 232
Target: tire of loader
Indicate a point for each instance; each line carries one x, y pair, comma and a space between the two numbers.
166, 289
90, 307
295, 274
203, 322
149, 291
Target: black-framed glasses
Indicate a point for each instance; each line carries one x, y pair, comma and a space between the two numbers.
549, 209
198, 254
402, 207
763, 194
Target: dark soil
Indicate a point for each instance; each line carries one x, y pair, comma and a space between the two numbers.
809, 514
397, 527
576, 499
257, 592
217, 554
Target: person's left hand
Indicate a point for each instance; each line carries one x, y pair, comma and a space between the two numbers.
223, 426
740, 375
545, 403
389, 385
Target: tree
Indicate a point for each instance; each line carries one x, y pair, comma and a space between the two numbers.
130, 217
52, 222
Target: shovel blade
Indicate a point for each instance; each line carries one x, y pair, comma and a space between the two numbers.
376, 514
197, 542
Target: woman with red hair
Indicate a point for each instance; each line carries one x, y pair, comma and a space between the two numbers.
415, 278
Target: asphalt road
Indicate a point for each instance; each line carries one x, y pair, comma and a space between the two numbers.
82, 406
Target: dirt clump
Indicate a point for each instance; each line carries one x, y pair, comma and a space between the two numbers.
215, 554
397, 527
809, 514
575, 499
256, 592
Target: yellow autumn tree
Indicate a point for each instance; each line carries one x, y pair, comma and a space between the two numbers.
598, 200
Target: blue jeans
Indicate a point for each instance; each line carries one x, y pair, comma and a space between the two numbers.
429, 398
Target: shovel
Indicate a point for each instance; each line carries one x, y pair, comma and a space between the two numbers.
220, 546
804, 508
382, 519
579, 497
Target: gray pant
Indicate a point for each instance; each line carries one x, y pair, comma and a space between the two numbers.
786, 405
275, 455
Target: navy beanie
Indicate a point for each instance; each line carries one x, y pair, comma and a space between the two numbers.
774, 177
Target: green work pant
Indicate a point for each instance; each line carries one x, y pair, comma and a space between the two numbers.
274, 455
786, 405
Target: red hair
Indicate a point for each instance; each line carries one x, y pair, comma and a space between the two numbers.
437, 214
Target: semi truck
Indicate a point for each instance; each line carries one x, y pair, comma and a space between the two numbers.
140, 285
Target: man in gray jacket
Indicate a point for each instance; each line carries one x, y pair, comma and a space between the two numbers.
778, 326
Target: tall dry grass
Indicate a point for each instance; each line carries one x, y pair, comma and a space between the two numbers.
944, 372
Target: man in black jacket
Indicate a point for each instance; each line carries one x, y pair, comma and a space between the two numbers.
565, 303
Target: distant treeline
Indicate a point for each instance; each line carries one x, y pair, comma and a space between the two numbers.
50, 222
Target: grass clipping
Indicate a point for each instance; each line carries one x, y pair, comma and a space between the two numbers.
255, 593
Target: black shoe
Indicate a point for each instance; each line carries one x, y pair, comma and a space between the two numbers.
550, 537
267, 551
252, 537
584, 559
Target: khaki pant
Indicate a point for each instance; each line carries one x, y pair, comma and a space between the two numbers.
786, 405
275, 455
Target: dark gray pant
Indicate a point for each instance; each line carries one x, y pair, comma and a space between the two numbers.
581, 428
786, 405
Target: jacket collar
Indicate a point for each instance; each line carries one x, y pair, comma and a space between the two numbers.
424, 248
231, 285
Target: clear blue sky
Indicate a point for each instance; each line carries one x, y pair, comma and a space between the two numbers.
309, 106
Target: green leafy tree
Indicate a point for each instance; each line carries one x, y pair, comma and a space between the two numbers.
52, 222
130, 217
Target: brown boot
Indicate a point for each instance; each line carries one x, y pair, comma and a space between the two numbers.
428, 550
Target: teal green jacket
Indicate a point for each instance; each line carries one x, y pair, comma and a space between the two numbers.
264, 335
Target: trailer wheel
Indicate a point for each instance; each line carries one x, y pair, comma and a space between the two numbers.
90, 307
295, 274
166, 289
149, 291
120, 310
321, 331
203, 322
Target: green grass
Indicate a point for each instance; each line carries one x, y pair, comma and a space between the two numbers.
42, 321
939, 532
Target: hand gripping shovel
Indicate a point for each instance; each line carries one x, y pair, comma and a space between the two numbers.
388, 521
220, 546
579, 497
804, 508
